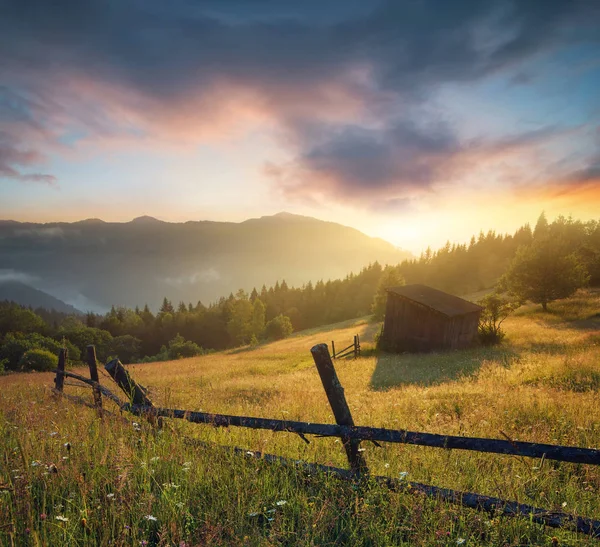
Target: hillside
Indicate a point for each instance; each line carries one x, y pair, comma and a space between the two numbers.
541, 385
93, 264
20, 293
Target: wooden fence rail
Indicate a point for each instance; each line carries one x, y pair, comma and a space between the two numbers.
351, 435
352, 349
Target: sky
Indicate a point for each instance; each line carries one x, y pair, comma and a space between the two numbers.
417, 121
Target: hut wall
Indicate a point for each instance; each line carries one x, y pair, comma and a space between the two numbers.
410, 326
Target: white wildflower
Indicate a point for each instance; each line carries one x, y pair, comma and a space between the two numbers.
61, 518
151, 518
564, 503
154, 459
110, 496
386, 465
403, 474
281, 502
460, 541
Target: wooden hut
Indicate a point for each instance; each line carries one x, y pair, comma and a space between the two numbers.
420, 318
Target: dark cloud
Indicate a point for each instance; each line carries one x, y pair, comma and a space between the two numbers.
308, 64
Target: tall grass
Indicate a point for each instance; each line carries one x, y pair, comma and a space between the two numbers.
124, 484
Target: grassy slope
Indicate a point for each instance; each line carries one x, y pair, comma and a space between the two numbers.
541, 385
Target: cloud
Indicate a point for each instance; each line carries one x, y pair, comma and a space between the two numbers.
348, 75
13, 275
210, 275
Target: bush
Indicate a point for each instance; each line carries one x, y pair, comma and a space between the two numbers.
278, 328
496, 309
180, 348
12, 349
16, 344
37, 359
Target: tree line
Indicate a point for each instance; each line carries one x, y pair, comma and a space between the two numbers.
522, 263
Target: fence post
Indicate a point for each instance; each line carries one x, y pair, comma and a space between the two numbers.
333, 348
355, 346
135, 393
91, 359
59, 381
358, 344
337, 400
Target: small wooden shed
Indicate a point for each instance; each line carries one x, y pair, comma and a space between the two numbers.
420, 318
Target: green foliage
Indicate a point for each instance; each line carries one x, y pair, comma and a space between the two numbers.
544, 271
278, 328
496, 308
38, 359
81, 336
14, 345
391, 277
3, 365
180, 348
126, 348
14, 318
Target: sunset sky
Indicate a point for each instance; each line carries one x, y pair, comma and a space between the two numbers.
415, 121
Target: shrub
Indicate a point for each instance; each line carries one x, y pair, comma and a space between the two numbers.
496, 309
180, 348
278, 328
37, 359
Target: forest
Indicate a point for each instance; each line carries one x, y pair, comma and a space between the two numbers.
31, 338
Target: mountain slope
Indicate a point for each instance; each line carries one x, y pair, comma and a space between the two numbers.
20, 293
93, 264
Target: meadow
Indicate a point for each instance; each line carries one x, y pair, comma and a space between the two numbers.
68, 477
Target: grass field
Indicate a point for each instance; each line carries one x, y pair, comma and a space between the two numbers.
70, 478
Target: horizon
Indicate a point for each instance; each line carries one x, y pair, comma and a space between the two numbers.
414, 252
414, 123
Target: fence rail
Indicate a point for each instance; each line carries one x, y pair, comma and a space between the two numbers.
352, 350
351, 436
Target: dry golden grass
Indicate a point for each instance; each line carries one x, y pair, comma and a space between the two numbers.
541, 385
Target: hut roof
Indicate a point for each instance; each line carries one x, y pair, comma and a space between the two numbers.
439, 301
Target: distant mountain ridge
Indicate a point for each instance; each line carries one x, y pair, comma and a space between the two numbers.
20, 293
92, 264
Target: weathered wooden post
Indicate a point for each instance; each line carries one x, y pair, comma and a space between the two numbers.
135, 393
358, 344
91, 360
355, 346
59, 381
337, 400
333, 348
137, 396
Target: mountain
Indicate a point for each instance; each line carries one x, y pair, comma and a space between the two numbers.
18, 292
93, 264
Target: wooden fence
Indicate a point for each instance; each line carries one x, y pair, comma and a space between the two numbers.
351, 435
352, 350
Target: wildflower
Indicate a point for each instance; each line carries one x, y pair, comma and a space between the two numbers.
403, 474
460, 541
110, 496
154, 459
27, 531
386, 465
43, 516
61, 518
564, 503
84, 522
281, 502
151, 518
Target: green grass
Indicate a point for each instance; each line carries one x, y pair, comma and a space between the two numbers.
541, 385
